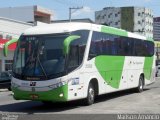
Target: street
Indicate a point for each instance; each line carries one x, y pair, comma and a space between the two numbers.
124, 102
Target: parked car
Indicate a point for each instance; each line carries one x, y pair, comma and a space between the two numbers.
5, 80
158, 71
157, 68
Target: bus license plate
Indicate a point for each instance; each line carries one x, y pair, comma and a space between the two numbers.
34, 96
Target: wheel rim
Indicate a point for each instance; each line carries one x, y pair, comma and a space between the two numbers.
141, 85
91, 95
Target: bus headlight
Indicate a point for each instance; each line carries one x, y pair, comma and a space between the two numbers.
57, 85
73, 81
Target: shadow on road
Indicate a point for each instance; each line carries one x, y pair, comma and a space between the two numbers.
31, 107
113, 95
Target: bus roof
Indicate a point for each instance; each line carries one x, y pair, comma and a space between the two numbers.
73, 26
57, 28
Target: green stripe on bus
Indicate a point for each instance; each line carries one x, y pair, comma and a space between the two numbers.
114, 31
147, 69
7, 44
52, 95
110, 68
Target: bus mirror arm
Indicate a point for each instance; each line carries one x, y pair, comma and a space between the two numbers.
5, 49
66, 43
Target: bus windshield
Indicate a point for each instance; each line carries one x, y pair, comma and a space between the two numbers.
42, 56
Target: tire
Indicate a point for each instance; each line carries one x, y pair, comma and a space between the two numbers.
140, 87
90, 95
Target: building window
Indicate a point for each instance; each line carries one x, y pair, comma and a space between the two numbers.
116, 23
139, 14
103, 16
116, 15
98, 17
109, 15
139, 22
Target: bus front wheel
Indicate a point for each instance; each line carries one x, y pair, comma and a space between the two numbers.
140, 87
90, 95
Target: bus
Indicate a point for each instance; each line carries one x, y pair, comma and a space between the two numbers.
69, 61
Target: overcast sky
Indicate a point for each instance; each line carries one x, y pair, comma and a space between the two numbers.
60, 8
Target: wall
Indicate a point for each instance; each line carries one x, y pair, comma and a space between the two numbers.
25, 13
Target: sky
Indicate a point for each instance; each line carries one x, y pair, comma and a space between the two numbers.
60, 8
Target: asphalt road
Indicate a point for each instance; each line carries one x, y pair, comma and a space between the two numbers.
124, 102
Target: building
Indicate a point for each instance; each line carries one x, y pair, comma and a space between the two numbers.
134, 19
156, 28
30, 14
156, 35
9, 29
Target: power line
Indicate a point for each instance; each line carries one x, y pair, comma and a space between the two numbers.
75, 9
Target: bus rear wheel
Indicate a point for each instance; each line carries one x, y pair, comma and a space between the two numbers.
90, 95
140, 87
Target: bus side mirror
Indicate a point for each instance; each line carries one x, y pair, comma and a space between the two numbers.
5, 49
66, 43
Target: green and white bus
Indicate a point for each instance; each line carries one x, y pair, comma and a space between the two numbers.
70, 61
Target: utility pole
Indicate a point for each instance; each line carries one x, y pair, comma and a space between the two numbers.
70, 11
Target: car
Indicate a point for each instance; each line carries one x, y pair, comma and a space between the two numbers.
5, 80
158, 71
157, 68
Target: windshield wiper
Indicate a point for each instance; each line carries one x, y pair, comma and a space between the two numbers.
26, 64
44, 72
29, 61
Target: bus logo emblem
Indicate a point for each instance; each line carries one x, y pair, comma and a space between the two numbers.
32, 83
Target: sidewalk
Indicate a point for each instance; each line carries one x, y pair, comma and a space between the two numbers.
3, 90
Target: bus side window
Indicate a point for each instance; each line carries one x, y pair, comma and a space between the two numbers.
150, 48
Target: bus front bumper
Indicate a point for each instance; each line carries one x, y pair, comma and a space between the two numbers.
56, 95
